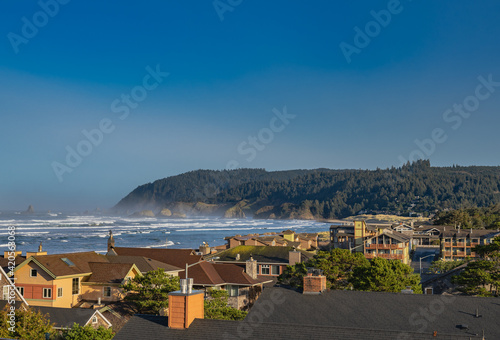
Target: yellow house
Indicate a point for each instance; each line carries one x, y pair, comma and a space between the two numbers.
63, 280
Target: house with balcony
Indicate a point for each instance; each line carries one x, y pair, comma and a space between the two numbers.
458, 244
372, 240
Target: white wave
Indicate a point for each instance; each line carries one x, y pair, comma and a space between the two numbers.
169, 243
217, 229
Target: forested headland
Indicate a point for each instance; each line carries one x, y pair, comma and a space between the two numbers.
320, 193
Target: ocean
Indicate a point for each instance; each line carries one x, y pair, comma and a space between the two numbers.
62, 233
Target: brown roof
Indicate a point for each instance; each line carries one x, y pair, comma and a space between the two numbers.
174, 257
109, 272
4, 262
143, 263
78, 262
208, 273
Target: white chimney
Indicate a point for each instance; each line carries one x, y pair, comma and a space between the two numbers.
98, 301
189, 286
183, 283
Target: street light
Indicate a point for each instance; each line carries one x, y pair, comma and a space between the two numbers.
423, 257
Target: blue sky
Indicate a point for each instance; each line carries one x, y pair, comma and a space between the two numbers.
225, 78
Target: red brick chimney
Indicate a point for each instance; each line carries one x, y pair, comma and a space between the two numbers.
314, 284
185, 305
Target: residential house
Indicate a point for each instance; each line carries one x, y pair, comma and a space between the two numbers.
65, 318
10, 292
271, 261
243, 286
373, 241
65, 280
458, 244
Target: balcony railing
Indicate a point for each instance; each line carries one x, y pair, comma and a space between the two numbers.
384, 246
447, 244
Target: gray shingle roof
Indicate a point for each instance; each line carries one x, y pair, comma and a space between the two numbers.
388, 311
155, 328
65, 317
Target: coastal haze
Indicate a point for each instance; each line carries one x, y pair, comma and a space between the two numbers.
65, 232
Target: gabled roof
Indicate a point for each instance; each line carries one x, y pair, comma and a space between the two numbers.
262, 254
58, 265
388, 311
143, 263
65, 317
398, 236
110, 272
175, 257
213, 274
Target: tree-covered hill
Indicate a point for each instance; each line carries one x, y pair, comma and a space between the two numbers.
319, 193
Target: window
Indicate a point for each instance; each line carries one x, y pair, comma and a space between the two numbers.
94, 319
107, 291
76, 286
47, 293
5, 292
275, 270
264, 269
233, 290
21, 290
33, 273
59, 292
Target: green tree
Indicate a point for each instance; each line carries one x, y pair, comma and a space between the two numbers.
293, 276
78, 332
216, 307
385, 276
479, 278
150, 291
441, 266
29, 324
337, 265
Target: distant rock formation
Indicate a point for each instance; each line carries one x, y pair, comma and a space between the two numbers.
30, 210
234, 212
165, 212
